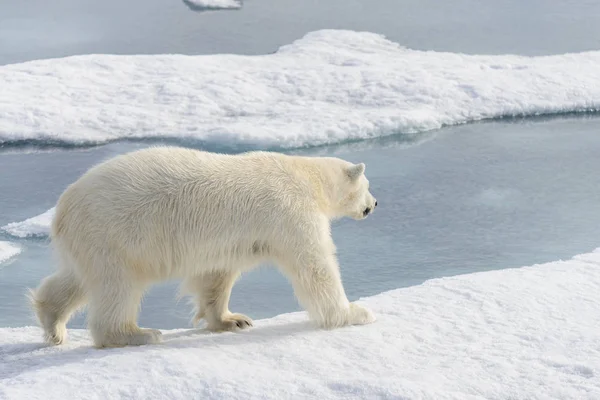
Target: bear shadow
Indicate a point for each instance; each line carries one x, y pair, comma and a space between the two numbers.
19, 358
255, 335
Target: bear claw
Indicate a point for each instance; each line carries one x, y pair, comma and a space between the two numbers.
231, 322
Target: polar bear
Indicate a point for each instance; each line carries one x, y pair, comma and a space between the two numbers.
204, 218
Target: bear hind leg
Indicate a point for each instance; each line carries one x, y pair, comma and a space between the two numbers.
112, 315
54, 301
211, 293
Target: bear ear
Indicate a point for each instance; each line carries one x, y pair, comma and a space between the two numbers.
355, 171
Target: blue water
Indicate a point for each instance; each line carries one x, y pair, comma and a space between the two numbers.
468, 198
44, 29
462, 199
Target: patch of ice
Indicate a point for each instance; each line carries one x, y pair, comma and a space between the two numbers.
8, 250
328, 87
526, 333
37, 226
200, 5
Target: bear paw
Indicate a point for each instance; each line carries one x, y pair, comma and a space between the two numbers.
137, 338
56, 335
231, 322
359, 315
153, 335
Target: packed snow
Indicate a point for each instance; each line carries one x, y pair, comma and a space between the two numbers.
213, 4
329, 86
37, 226
524, 333
7, 251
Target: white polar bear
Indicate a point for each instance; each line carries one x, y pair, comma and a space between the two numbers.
169, 212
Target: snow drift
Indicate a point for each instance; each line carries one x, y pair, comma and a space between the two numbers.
38, 226
8, 250
207, 5
330, 86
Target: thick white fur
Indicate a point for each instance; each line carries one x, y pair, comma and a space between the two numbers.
169, 212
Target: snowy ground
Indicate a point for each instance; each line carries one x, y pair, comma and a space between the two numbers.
327, 87
526, 333
8, 250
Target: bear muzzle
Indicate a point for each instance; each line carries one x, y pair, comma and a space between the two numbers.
369, 210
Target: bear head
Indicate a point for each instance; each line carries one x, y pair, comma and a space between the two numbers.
351, 196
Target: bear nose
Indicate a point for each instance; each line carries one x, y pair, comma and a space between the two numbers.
375, 203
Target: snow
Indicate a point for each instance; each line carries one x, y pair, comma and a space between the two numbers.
329, 86
213, 4
7, 251
523, 333
37, 226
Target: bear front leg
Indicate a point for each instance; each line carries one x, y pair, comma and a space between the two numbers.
211, 293
318, 288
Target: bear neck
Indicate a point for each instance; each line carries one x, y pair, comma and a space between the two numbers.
321, 186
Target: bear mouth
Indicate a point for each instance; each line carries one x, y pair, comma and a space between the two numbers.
366, 211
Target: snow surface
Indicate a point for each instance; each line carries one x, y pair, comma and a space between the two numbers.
7, 251
527, 333
213, 4
330, 86
37, 226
